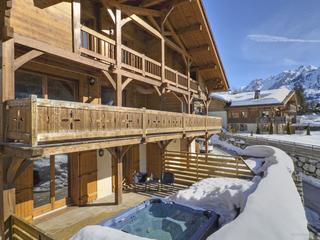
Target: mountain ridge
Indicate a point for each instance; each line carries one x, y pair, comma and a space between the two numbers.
307, 77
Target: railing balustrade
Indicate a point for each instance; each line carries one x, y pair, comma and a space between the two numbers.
34, 121
98, 46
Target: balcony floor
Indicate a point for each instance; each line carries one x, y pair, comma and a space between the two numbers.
64, 223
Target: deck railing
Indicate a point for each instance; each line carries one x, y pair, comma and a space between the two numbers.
18, 228
34, 121
189, 168
98, 46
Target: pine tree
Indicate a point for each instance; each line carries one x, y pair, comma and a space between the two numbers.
288, 128
298, 87
308, 130
258, 129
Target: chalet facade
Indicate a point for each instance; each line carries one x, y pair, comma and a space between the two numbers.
246, 111
93, 90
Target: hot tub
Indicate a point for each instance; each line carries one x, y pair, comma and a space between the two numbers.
161, 219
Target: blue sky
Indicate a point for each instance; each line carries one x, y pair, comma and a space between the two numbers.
258, 38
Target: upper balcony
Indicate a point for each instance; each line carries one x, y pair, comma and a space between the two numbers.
99, 47
34, 122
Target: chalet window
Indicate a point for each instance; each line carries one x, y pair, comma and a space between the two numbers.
235, 115
265, 114
61, 89
107, 96
27, 84
244, 114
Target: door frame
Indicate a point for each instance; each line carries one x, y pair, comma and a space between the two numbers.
54, 204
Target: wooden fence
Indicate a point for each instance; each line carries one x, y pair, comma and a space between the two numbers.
17, 228
189, 168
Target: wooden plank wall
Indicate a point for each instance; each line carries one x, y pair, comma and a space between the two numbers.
154, 159
49, 24
24, 194
131, 163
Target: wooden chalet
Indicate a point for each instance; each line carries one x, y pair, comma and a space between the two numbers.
93, 90
246, 111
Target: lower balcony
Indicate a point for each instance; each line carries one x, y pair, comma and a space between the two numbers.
36, 122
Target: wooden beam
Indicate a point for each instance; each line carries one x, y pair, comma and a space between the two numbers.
134, 9
18, 62
110, 79
126, 82
118, 96
176, 3
204, 67
190, 29
46, 48
157, 90
199, 49
76, 23
154, 23
150, 3
146, 26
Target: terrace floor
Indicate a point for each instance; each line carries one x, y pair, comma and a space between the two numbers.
64, 223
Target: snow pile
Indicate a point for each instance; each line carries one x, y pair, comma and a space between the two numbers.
313, 120
311, 180
274, 96
225, 196
313, 218
274, 210
97, 232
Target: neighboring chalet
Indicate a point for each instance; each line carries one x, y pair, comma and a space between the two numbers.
92, 91
246, 110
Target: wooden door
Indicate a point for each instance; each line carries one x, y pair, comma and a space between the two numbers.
24, 196
131, 163
154, 159
88, 176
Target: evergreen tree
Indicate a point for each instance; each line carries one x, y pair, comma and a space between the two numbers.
298, 87
288, 128
258, 129
308, 130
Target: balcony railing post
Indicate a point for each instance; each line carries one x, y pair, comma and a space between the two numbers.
33, 120
144, 122
143, 65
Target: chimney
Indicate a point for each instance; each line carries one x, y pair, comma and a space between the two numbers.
256, 94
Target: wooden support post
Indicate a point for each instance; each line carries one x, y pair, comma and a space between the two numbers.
76, 25
7, 196
118, 58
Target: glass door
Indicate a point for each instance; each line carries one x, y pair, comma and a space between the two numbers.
50, 183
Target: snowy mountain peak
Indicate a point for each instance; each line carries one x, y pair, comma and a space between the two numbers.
306, 76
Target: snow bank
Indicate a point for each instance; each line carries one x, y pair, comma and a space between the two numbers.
97, 232
274, 210
311, 180
225, 196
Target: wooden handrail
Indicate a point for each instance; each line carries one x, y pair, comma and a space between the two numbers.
99, 35
35, 120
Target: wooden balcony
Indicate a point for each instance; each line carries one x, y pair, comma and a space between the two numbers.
36, 122
102, 48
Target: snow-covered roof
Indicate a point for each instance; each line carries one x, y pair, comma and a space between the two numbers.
267, 97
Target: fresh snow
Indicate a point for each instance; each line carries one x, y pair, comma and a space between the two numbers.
313, 139
96, 232
274, 210
275, 96
313, 218
225, 196
311, 180
312, 120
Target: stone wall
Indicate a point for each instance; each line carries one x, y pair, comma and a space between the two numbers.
306, 165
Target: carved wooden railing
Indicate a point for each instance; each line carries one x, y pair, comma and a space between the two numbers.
100, 47
35, 121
